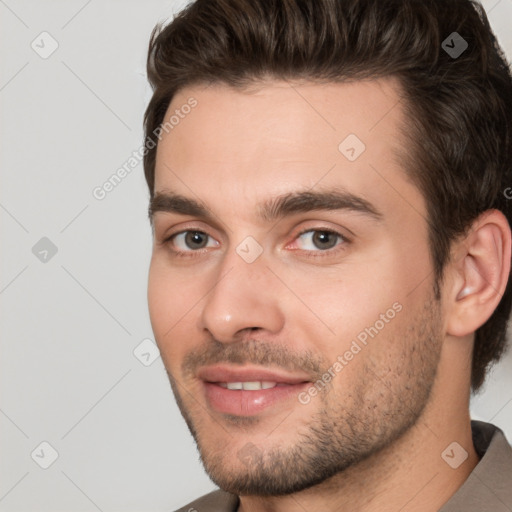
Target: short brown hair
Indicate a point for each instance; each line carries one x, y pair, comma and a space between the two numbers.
459, 108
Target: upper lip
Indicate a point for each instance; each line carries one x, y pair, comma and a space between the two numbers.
223, 373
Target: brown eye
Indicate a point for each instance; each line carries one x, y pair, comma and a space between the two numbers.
196, 239
318, 240
190, 241
325, 239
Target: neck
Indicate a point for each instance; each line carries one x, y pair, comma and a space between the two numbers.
410, 474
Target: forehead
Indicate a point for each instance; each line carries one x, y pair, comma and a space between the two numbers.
289, 109
277, 136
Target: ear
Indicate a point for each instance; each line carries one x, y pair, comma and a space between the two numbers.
481, 268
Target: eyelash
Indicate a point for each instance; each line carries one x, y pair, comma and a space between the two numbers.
343, 241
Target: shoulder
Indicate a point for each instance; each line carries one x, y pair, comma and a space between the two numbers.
216, 501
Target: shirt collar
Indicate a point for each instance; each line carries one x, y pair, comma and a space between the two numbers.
488, 486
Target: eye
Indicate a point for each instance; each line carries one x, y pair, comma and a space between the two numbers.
187, 241
319, 240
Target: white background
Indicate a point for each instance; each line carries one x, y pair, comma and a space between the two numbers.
69, 326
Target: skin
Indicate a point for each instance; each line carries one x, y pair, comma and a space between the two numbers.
373, 439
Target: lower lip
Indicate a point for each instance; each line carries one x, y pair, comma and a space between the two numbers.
241, 402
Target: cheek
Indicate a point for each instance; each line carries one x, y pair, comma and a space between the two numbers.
371, 360
343, 303
353, 320
169, 308
158, 298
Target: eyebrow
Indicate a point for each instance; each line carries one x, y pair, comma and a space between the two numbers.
272, 209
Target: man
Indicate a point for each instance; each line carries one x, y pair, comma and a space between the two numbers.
332, 247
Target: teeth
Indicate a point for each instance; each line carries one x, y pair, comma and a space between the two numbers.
250, 386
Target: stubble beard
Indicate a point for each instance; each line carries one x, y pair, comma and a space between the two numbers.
346, 429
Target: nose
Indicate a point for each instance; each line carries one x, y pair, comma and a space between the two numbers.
245, 297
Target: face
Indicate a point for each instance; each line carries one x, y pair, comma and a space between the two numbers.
290, 288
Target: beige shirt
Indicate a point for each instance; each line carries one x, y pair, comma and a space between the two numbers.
487, 489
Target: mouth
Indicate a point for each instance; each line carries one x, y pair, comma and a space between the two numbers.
248, 391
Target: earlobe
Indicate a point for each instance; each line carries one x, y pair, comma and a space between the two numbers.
482, 273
